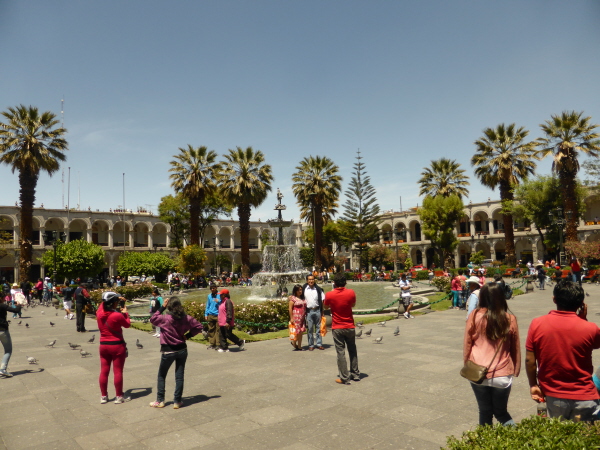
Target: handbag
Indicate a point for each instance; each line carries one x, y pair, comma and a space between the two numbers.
323, 329
292, 330
476, 372
89, 309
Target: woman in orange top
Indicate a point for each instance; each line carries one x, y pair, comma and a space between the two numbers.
491, 327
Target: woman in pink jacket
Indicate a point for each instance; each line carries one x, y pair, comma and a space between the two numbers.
226, 323
489, 328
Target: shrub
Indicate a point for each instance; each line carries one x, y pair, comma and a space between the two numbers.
129, 292
441, 283
269, 315
535, 433
422, 275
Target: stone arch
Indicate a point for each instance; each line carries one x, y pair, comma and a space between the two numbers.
401, 232
485, 248
225, 237
51, 225
464, 254
524, 249
7, 227
210, 234
481, 222
498, 220
159, 235
140, 234
100, 230
500, 250
464, 226
415, 231
253, 238
78, 229
121, 234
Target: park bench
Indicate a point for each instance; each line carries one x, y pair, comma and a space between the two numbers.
592, 276
508, 272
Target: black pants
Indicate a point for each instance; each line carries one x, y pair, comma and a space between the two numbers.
80, 316
226, 333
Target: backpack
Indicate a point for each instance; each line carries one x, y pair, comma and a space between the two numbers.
507, 292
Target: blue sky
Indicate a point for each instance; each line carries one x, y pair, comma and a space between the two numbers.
406, 82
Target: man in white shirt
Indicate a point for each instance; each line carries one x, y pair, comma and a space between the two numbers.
314, 297
405, 296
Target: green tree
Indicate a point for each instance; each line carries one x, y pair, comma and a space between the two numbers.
75, 259
444, 178
503, 159
212, 208
439, 216
566, 136
193, 173
145, 263
191, 260
307, 256
361, 210
380, 255
317, 186
174, 210
30, 143
245, 183
535, 198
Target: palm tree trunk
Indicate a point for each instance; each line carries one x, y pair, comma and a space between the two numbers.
195, 221
27, 183
509, 232
567, 180
244, 216
318, 229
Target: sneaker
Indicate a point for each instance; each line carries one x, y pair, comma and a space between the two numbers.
120, 400
405, 315
223, 350
410, 316
340, 381
157, 404
103, 400
158, 335
177, 405
5, 373
71, 316
242, 344
67, 316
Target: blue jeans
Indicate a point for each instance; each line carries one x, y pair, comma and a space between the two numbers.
7, 344
492, 402
456, 298
166, 361
576, 277
568, 409
313, 320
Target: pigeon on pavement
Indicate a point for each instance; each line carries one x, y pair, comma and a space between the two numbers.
91, 341
26, 325
381, 323
379, 339
74, 346
19, 322
51, 344
52, 324
397, 331
42, 312
138, 345
368, 333
31, 360
84, 353
359, 334
359, 324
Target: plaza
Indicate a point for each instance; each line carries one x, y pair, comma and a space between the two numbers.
411, 395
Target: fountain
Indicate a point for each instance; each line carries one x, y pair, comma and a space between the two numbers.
281, 264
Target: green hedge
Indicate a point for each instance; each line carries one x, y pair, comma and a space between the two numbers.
533, 433
422, 275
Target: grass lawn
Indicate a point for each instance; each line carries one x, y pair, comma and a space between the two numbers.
264, 336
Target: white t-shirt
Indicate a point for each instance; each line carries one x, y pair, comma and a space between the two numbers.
404, 292
312, 297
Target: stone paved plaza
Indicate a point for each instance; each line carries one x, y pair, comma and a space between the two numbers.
266, 397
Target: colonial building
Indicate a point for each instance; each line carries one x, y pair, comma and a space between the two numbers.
481, 228
118, 231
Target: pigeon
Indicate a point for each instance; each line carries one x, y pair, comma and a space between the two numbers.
52, 324
368, 333
42, 312
379, 339
587, 294
205, 334
397, 331
359, 334
84, 353
19, 322
51, 344
26, 325
56, 314
74, 346
381, 323
91, 341
359, 324
138, 345
31, 360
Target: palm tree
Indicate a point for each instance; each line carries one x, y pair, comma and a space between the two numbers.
566, 135
194, 174
30, 143
503, 159
317, 187
245, 182
444, 178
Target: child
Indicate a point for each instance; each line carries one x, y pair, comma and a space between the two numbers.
226, 323
156, 303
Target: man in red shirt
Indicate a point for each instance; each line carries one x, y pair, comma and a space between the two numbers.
559, 345
341, 301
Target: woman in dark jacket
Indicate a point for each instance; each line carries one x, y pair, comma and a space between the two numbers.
5, 335
175, 328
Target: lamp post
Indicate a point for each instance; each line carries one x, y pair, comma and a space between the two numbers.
557, 216
214, 246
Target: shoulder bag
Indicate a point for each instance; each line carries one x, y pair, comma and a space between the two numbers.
475, 372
